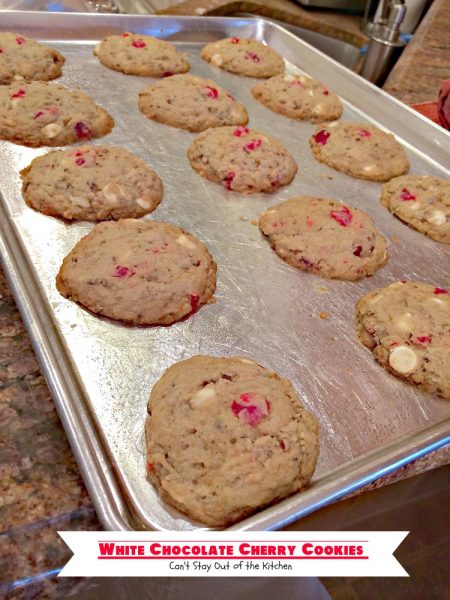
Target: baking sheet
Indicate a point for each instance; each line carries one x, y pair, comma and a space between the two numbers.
265, 309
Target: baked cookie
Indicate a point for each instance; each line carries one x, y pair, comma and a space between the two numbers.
92, 183
242, 159
360, 150
422, 202
244, 57
191, 103
226, 437
44, 114
140, 272
23, 58
407, 327
324, 237
298, 97
136, 54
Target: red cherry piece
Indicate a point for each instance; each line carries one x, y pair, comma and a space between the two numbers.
322, 137
440, 291
406, 195
252, 145
150, 466
20, 93
364, 133
194, 300
20, 40
326, 93
421, 340
306, 262
252, 56
126, 34
212, 92
309, 222
38, 114
235, 40
282, 445
82, 130
241, 131
122, 272
80, 161
357, 251
229, 179
167, 74
251, 408
342, 215
138, 44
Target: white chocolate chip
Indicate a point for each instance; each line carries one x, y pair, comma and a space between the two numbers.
333, 124
318, 108
370, 168
217, 60
14, 102
246, 360
403, 360
404, 323
112, 191
204, 397
200, 10
289, 78
185, 241
310, 93
412, 205
51, 130
80, 201
437, 217
18, 77
143, 203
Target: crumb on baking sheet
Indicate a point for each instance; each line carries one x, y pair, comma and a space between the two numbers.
254, 222
395, 239
321, 289
242, 218
324, 314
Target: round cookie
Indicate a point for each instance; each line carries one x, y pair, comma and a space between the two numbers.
24, 58
422, 202
44, 114
244, 57
227, 437
92, 183
241, 159
324, 237
191, 103
360, 150
135, 54
298, 97
140, 272
407, 327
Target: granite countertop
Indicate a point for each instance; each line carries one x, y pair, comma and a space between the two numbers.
41, 490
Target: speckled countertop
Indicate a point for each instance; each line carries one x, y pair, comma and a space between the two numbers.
41, 490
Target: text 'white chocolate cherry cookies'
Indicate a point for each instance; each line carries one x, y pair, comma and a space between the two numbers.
324, 237
24, 58
135, 54
407, 327
45, 114
91, 183
360, 150
139, 272
422, 202
227, 437
242, 159
191, 103
243, 56
298, 97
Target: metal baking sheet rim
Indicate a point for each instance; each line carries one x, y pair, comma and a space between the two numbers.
106, 492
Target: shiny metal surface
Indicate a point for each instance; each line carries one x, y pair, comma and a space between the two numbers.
101, 372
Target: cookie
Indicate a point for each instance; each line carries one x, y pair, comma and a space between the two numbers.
324, 237
242, 159
244, 57
422, 202
24, 58
298, 97
135, 54
407, 327
191, 103
91, 183
360, 150
140, 272
227, 437
44, 114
